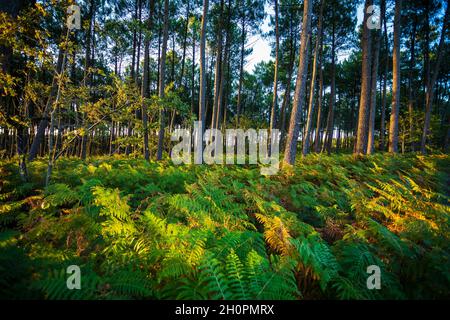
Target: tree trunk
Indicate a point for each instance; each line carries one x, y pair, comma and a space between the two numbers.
275, 78
87, 76
217, 73
241, 68
300, 86
202, 89
319, 108
364, 102
393, 124
193, 74
330, 118
183, 59
162, 74
145, 87
306, 138
224, 65
287, 91
383, 99
411, 99
373, 84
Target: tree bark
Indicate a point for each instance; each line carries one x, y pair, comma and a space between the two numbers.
275, 78
411, 99
241, 69
373, 84
393, 124
330, 118
162, 75
299, 96
364, 102
319, 109
306, 138
145, 87
202, 89
383, 99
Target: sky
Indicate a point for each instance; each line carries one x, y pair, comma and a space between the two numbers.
261, 46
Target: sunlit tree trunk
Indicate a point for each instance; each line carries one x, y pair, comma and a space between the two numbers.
306, 138
275, 78
393, 124
300, 86
364, 102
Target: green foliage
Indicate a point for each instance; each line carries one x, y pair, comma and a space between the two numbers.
152, 230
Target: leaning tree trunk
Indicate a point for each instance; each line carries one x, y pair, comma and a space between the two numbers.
300, 86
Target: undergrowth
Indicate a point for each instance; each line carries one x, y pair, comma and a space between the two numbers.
142, 230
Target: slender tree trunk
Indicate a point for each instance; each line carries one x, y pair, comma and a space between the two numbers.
300, 86
330, 118
193, 73
275, 78
217, 73
287, 91
87, 75
432, 82
319, 108
185, 35
145, 88
373, 84
411, 99
241, 68
222, 90
306, 139
202, 89
364, 102
383, 99
393, 124
162, 74
426, 54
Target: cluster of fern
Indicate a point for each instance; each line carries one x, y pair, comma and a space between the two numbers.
142, 230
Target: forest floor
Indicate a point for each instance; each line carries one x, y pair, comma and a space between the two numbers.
159, 231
